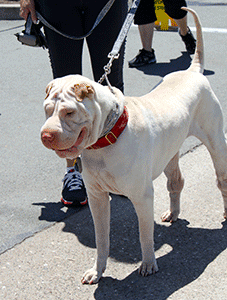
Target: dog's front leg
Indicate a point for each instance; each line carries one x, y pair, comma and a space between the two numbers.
145, 212
100, 209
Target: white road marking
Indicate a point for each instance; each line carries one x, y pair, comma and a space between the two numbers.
219, 30
205, 29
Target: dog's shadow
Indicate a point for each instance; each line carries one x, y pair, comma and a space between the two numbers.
162, 69
191, 251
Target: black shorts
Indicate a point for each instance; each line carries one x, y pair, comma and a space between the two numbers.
76, 18
145, 13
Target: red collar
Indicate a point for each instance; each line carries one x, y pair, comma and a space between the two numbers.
111, 137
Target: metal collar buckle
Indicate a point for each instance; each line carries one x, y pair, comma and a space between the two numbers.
111, 134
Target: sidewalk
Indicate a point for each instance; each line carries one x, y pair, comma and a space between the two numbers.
191, 253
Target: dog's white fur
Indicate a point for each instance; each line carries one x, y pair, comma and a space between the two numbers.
159, 122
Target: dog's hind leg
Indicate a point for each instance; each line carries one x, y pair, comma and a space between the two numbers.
175, 183
217, 147
209, 130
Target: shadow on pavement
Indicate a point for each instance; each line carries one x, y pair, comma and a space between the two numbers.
193, 249
55, 211
162, 69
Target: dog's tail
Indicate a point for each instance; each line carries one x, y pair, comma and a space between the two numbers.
197, 64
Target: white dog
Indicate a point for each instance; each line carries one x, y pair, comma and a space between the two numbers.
127, 142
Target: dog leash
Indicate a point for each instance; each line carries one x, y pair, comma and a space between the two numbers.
101, 15
114, 54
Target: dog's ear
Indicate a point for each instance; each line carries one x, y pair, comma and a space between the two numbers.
48, 89
82, 90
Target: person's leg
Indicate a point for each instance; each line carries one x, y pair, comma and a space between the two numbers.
65, 54
146, 34
173, 9
146, 54
186, 35
145, 19
65, 58
182, 24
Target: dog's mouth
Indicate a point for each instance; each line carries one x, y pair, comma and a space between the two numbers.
74, 148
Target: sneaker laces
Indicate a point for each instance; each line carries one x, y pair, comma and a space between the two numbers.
143, 56
143, 52
73, 180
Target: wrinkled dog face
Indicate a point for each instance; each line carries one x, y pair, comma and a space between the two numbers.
68, 110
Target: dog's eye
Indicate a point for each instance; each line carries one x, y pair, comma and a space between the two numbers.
69, 113
49, 109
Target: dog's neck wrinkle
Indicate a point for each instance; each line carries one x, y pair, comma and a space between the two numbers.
111, 119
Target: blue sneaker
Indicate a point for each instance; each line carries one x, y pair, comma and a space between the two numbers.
73, 192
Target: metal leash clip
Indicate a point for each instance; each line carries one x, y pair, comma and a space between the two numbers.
107, 69
114, 54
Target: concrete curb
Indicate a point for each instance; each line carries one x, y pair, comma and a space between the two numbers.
10, 12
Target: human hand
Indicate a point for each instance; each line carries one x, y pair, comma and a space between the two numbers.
26, 7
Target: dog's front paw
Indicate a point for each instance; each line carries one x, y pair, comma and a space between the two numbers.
147, 269
169, 216
91, 276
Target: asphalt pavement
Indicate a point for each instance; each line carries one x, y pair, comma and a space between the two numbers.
45, 247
